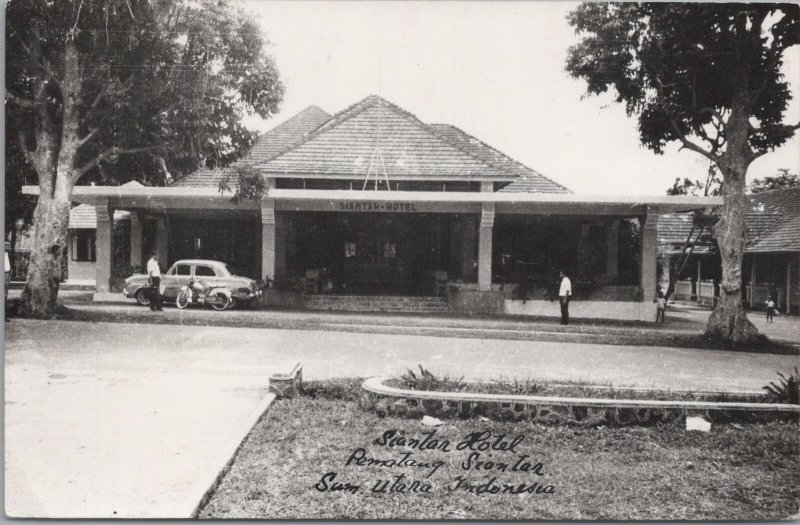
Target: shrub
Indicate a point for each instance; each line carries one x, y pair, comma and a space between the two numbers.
427, 381
787, 390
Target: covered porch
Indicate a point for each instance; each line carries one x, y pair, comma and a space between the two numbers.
488, 244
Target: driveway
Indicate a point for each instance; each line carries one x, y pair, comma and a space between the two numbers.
118, 419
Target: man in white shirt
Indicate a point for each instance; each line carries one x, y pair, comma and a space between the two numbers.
564, 293
154, 278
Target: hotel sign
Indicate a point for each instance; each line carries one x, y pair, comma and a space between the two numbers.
398, 207
377, 207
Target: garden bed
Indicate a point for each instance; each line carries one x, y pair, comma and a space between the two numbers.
735, 472
424, 394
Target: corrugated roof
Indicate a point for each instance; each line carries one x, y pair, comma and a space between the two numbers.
267, 145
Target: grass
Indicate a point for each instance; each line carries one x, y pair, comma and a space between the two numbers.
743, 472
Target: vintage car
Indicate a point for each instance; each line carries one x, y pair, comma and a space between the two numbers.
213, 273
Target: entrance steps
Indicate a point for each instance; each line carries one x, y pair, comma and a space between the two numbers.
376, 303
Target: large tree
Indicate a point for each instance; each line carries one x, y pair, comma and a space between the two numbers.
114, 90
707, 76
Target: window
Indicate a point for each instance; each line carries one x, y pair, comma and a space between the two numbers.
182, 269
204, 271
82, 246
349, 249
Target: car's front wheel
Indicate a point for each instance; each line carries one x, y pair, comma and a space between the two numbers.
143, 297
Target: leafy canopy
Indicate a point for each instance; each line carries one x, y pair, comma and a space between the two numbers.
164, 85
784, 179
684, 67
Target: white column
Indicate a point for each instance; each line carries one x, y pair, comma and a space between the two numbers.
485, 247
136, 238
649, 257
103, 247
268, 238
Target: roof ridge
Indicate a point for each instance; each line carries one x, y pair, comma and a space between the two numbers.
784, 188
328, 124
376, 100
513, 160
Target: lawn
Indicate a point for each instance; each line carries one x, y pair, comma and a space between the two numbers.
744, 472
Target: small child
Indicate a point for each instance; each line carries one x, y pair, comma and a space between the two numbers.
661, 305
770, 310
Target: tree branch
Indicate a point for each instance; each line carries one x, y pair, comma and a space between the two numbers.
104, 93
688, 144
111, 154
87, 138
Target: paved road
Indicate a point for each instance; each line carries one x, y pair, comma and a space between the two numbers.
116, 417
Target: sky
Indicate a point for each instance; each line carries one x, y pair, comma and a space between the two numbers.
495, 70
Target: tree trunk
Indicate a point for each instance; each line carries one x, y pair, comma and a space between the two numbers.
51, 218
728, 322
56, 151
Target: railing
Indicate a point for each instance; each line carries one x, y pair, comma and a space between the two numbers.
684, 290
707, 292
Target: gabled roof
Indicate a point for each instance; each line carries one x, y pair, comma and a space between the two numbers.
778, 226
267, 146
345, 146
528, 181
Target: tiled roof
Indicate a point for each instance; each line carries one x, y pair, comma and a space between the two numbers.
773, 223
346, 144
674, 228
529, 181
779, 226
84, 216
268, 145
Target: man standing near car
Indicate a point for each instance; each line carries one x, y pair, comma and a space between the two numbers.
154, 278
564, 294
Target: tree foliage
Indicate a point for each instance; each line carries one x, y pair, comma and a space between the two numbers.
116, 90
163, 87
245, 182
784, 179
682, 68
707, 76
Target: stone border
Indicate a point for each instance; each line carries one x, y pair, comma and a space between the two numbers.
386, 400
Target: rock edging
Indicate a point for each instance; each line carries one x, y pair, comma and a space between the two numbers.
390, 401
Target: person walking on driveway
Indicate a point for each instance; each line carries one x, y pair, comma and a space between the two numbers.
154, 278
661, 306
564, 294
770, 310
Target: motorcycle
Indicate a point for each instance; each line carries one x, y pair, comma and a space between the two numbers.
197, 292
